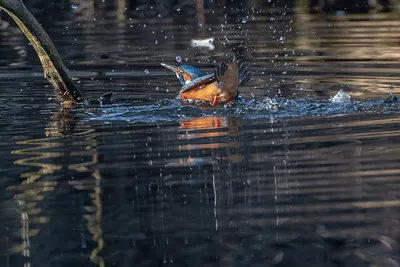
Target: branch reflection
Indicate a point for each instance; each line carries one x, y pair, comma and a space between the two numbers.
56, 159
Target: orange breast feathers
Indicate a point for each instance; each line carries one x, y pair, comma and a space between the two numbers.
186, 77
203, 92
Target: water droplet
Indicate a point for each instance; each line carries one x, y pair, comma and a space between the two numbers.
74, 6
178, 59
146, 71
245, 19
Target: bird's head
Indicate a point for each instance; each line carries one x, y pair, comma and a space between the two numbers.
185, 73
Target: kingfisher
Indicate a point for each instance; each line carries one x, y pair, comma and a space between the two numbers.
220, 87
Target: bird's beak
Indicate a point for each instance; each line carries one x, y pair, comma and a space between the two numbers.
170, 67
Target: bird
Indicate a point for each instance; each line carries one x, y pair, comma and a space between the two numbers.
220, 87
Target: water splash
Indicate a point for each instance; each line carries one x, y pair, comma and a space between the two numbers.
178, 59
341, 97
170, 110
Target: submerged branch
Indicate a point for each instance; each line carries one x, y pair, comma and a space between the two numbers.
54, 70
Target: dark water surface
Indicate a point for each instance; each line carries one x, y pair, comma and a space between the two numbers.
286, 178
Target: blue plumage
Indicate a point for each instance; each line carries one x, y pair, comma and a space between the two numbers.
191, 71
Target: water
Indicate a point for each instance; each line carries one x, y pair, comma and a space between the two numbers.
283, 178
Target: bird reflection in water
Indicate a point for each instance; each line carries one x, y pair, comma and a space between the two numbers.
224, 130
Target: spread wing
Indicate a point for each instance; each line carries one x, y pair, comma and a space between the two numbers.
244, 73
231, 71
227, 74
206, 79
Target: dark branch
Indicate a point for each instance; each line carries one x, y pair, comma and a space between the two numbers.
54, 69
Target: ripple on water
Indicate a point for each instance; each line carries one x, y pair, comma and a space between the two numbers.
171, 109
